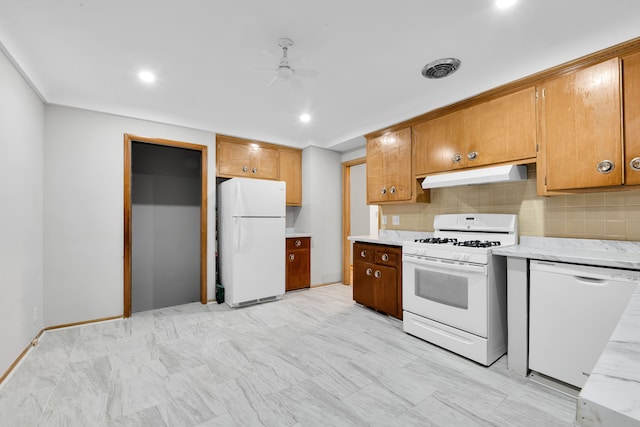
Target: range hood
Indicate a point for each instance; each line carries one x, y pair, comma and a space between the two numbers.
507, 173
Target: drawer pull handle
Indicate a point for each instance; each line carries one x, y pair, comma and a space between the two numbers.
605, 166
635, 164
377, 274
384, 190
385, 257
472, 155
456, 158
292, 257
369, 272
363, 254
244, 169
298, 243
393, 190
254, 170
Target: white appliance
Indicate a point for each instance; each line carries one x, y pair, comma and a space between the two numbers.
251, 250
573, 309
454, 289
505, 173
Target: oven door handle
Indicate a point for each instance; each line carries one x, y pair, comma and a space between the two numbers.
445, 265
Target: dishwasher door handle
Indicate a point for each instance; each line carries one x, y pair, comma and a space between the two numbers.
591, 280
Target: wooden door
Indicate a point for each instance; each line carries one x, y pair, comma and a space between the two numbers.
291, 173
265, 163
248, 160
581, 127
298, 269
438, 141
501, 130
375, 171
631, 90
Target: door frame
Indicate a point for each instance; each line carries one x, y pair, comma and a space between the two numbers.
128, 141
346, 216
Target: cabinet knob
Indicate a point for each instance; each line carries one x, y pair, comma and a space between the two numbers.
385, 257
605, 166
635, 164
369, 271
384, 190
472, 155
456, 158
292, 257
244, 169
392, 190
254, 170
298, 243
363, 254
377, 274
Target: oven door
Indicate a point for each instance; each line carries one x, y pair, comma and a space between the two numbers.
449, 292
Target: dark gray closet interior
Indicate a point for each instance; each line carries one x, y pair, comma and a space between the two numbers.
165, 199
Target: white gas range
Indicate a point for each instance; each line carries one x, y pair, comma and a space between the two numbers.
454, 289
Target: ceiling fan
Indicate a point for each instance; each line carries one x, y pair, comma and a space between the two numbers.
284, 71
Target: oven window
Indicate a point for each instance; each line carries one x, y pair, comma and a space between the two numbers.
443, 288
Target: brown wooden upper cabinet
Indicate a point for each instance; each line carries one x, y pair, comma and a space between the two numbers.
291, 173
389, 171
581, 129
631, 88
502, 130
238, 157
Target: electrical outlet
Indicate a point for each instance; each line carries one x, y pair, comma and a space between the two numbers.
395, 219
384, 220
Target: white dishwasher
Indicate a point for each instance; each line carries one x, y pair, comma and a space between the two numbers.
573, 309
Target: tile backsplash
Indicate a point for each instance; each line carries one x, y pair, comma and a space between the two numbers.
602, 215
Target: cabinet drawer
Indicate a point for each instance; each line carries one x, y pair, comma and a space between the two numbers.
362, 253
298, 243
386, 257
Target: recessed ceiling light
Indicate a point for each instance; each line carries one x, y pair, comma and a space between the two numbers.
503, 4
304, 118
146, 76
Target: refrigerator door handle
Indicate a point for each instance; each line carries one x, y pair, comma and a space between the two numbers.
237, 236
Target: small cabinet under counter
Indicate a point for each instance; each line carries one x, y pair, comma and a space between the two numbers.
377, 277
298, 263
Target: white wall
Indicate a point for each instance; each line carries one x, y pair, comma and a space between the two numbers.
83, 210
356, 153
21, 148
321, 212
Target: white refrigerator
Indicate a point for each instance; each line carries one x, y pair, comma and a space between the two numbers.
251, 240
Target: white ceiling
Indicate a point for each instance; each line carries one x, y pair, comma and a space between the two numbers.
367, 56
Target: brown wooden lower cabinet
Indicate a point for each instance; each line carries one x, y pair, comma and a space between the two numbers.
298, 270
377, 277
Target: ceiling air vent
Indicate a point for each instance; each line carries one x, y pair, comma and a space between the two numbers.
440, 68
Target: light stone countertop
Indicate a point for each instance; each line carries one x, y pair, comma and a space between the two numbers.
294, 235
392, 237
605, 253
611, 395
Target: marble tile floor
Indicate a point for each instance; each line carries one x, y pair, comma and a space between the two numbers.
313, 358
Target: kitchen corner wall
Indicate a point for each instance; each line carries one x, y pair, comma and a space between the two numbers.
601, 215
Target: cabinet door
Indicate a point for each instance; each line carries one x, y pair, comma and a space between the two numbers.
298, 269
439, 142
389, 170
631, 90
246, 160
581, 128
386, 289
291, 173
501, 130
363, 283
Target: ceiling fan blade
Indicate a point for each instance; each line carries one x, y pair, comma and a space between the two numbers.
271, 56
305, 73
273, 80
295, 82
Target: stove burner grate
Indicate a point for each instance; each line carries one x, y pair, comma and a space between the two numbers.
477, 243
437, 240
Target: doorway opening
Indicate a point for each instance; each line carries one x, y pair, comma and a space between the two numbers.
165, 223
358, 218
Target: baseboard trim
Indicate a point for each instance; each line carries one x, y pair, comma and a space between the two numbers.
84, 322
326, 284
33, 343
